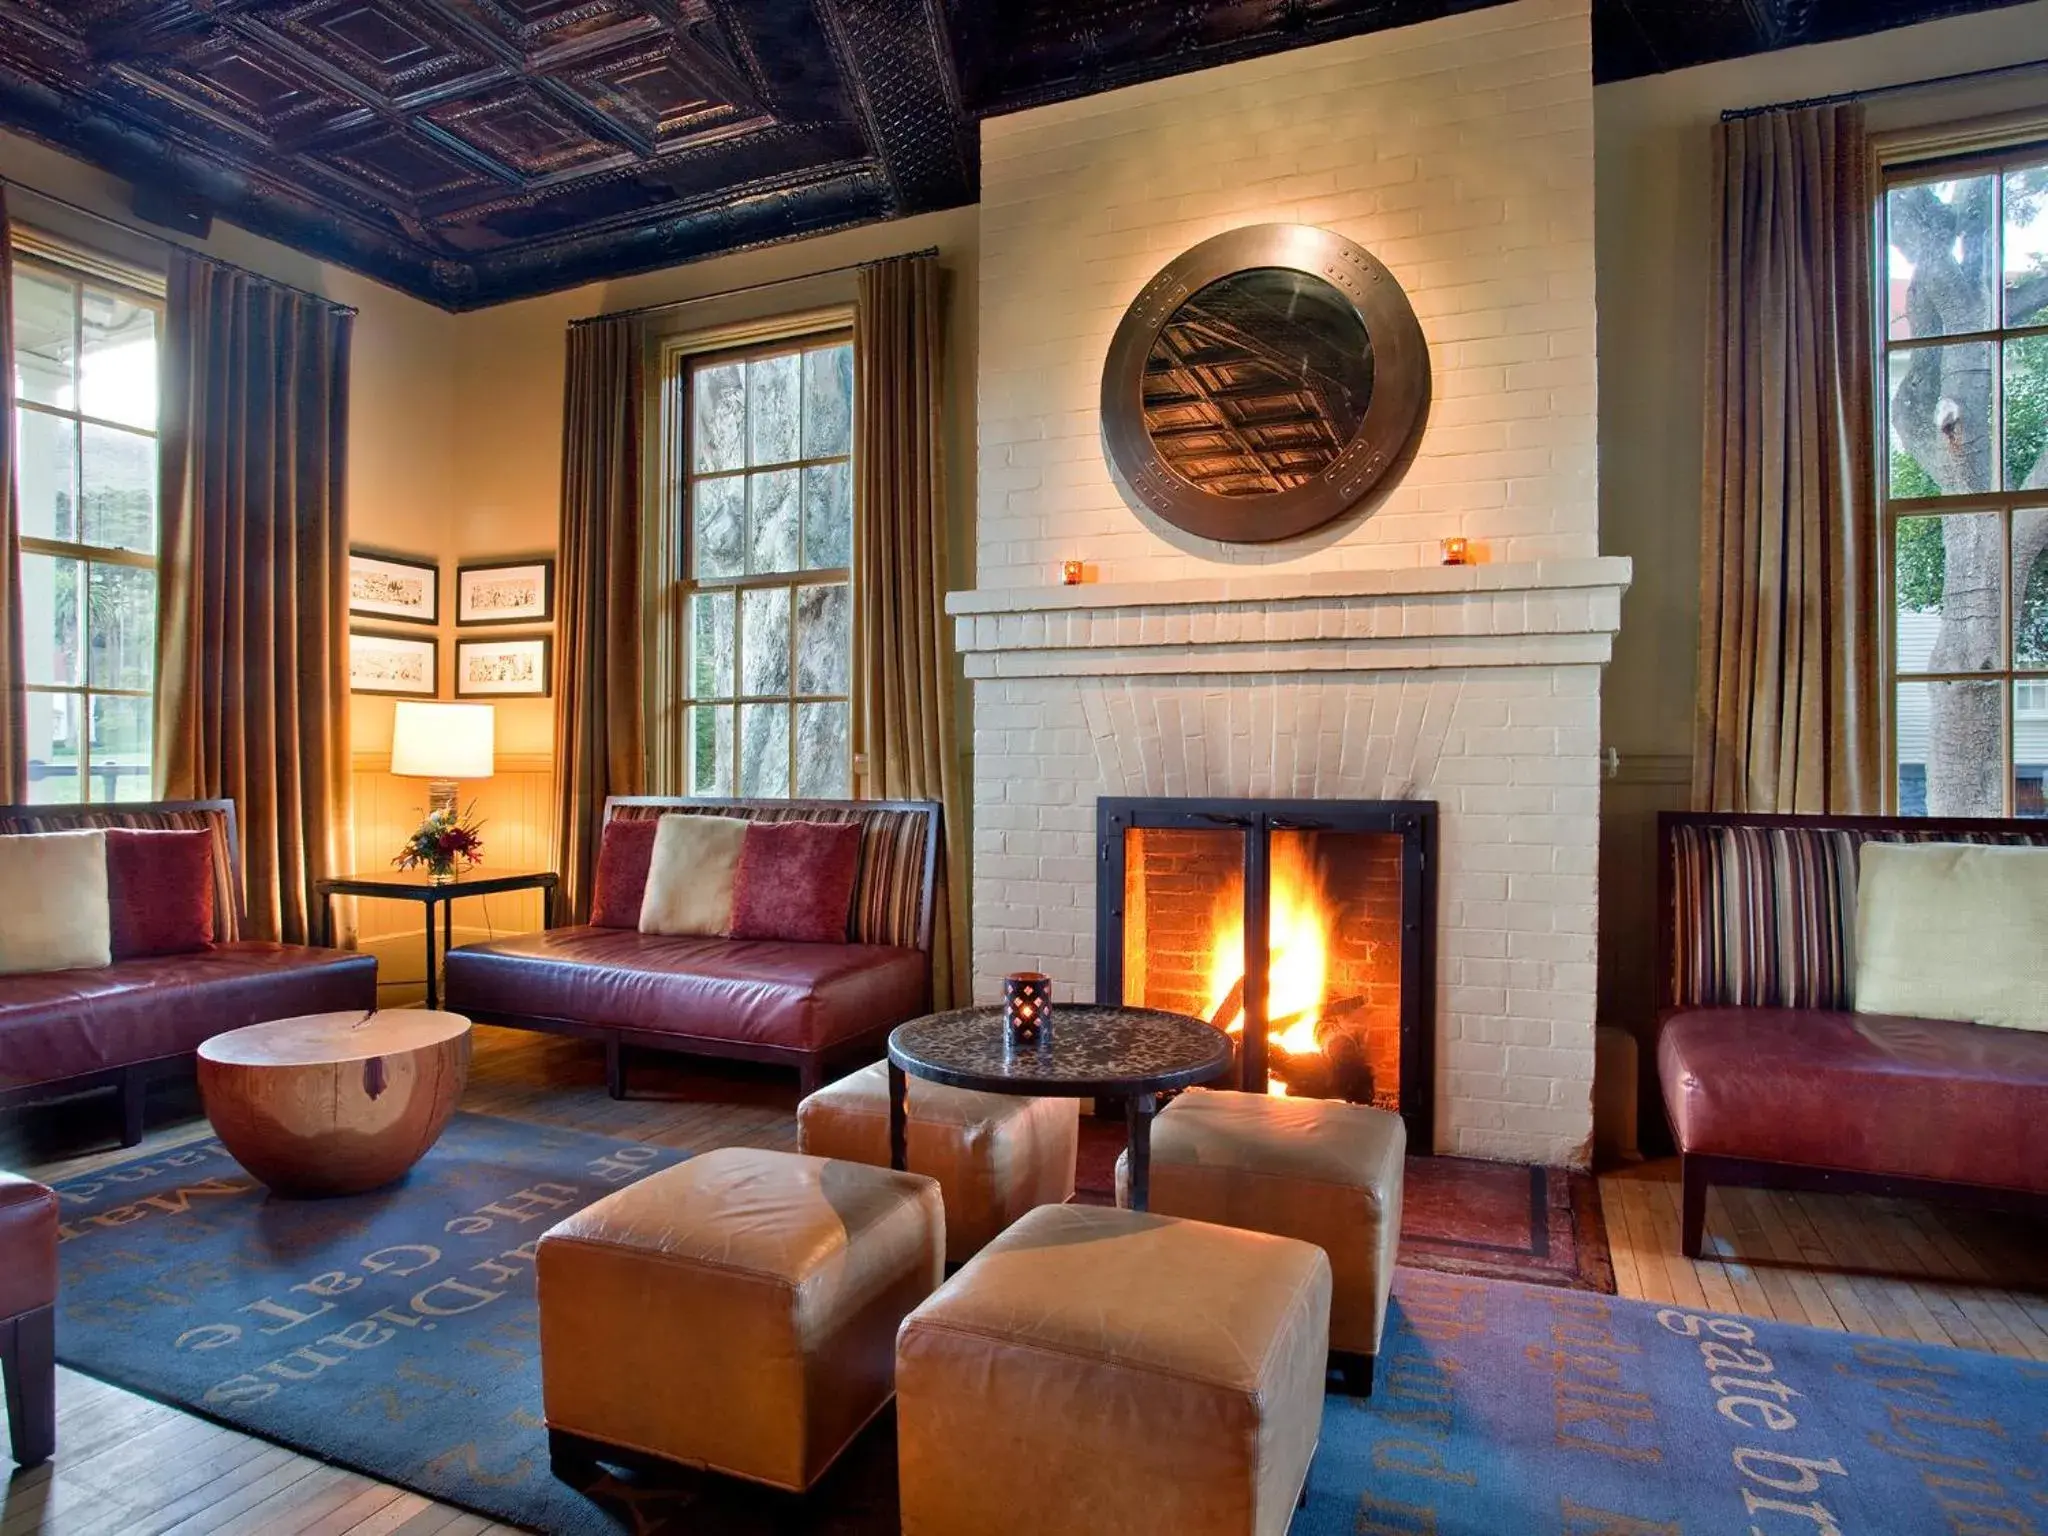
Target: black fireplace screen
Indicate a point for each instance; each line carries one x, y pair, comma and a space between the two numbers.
1306, 928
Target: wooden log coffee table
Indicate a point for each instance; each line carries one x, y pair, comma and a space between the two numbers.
335, 1103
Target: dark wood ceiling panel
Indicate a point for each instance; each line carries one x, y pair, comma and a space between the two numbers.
471, 151
388, 46
526, 132
667, 93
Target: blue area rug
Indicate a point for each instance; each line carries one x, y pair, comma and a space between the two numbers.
1502, 1409
396, 1333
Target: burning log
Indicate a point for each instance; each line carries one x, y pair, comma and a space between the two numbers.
1338, 1071
1228, 1011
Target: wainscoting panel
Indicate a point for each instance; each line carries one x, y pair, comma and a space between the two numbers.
516, 806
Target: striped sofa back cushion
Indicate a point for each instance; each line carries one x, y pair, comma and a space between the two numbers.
227, 901
1765, 916
889, 896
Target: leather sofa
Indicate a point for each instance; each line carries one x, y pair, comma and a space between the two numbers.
28, 1311
121, 1026
1769, 1077
816, 1007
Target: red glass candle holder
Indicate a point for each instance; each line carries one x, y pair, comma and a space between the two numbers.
1027, 1008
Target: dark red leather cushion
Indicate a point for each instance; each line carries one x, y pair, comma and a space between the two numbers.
159, 892
803, 996
795, 881
1863, 1092
58, 1024
28, 1246
623, 855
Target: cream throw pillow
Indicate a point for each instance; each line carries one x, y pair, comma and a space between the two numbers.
690, 875
1953, 931
53, 902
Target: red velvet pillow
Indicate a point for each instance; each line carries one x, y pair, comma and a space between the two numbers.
795, 881
159, 892
623, 855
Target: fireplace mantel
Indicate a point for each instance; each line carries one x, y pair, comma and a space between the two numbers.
1539, 613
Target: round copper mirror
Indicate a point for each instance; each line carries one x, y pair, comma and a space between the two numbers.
1264, 383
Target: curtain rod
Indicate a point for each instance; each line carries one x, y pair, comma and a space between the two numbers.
1736, 114
730, 293
142, 234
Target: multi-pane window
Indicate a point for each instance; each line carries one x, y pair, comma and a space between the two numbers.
85, 376
768, 545
1966, 483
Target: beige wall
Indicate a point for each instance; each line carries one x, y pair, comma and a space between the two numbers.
402, 456
507, 384
1653, 161
507, 406
455, 454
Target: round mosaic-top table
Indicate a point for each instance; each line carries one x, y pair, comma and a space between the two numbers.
1134, 1054
334, 1103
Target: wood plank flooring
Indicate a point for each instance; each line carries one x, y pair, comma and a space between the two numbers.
1900, 1269
127, 1466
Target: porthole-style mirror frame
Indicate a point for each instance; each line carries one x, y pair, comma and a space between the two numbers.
1393, 416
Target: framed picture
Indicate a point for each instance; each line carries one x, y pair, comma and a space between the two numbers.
392, 587
521, 593
395, 664
508, 668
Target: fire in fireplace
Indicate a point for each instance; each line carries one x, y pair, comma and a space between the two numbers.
1305, 928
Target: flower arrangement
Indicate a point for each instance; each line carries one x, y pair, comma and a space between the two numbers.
444, 841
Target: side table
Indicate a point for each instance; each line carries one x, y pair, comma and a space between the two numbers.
417, 885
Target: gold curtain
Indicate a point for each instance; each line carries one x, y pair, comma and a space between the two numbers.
598, 731
252, 598
13, 698
1786, 702
904, 734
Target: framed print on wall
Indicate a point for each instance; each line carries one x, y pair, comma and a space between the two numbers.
518, 592
394, 588
394, 664
509, 668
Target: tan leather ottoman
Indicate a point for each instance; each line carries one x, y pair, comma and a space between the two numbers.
1110, 1373
995, 1155
736, 1313
1319, 1170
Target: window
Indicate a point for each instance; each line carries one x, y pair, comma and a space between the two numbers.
1966, 483
85, 386
767, 538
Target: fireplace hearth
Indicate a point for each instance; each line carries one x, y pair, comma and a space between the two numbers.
1305, 928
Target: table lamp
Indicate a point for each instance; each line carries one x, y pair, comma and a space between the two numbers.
443, 743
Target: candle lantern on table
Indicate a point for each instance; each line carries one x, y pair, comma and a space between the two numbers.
1027, 1008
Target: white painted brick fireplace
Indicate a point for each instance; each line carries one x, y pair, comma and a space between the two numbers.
1349, 664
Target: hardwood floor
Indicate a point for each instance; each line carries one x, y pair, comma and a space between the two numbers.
127, 1466
1900, 1269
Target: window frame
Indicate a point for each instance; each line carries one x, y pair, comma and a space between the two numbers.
673, 555
1917, 164
81, 269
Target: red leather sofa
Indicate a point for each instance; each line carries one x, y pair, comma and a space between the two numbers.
1771, 1079
122, 1025
816, 1007
28, 1312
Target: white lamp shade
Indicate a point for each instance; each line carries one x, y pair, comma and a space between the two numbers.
443, 741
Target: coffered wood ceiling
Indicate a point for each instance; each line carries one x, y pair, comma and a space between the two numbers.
472, 151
